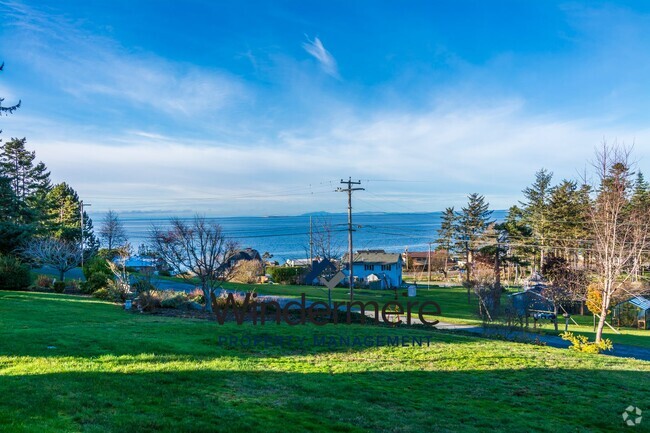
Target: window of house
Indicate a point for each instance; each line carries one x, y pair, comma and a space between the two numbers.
386, 267
368, 267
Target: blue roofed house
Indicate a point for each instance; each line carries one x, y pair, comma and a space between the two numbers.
376, 268
138, 263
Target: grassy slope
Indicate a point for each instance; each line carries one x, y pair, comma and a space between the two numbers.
116, 371
452, 300
454, 307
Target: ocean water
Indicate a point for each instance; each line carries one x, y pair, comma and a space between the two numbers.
287, 237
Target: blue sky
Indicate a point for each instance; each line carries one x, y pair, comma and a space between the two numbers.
261, 107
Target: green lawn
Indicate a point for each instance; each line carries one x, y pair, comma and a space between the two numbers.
631, 336
454, 307
452, 301
71, 364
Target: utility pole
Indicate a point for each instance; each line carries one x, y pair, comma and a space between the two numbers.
429, 269
311, 244
81, 212
349, 190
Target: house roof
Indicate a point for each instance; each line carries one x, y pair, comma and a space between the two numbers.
245, 254
419, 254
640, 301
299, 262
139, 262
375, 257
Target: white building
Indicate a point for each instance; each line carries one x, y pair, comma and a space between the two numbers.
376, 268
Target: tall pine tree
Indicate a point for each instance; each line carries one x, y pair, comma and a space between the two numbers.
536, 208
568, 218
64, 217
472, 221
12, 232
446, 233
29, 182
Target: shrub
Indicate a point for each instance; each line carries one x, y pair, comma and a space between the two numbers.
141, 285
72, 285
176, 300
581, 343
196, 295
44, 281
164, 273
149, 301
239, 298
287, 274
59, 286
103, 294
97, 273
13, 273
111, 292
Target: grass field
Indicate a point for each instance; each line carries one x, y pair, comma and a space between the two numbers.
71, 364
452, 300
454, 306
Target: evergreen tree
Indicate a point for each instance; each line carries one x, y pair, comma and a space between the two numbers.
639, 211
64, 213
91, 243
518, 237
568, 213
64, 218
12, 233
536, 208
29, 182
472, 221
446, 233
641, 194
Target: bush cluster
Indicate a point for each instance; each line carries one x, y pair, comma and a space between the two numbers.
98, 274
44, 281
14, 274
287, 274
154, 299
581, 343
239, 298
59, 286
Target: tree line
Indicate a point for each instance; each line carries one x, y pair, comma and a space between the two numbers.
588, 239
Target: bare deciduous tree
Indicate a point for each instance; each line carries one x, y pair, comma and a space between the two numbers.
619, 230
198, 248
60, 254
112, 230
565, 283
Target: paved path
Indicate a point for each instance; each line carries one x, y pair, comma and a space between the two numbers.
620, 350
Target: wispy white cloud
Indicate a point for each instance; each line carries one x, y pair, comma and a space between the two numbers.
453, 139
324, 57
494, 150
87, 66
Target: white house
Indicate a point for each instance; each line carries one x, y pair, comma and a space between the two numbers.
298, 262
377, 268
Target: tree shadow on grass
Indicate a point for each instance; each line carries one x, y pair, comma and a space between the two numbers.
258, 399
